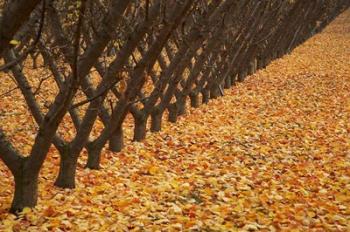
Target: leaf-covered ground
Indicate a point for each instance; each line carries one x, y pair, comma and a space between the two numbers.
272, 155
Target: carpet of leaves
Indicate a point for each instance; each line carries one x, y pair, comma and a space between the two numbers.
272, 155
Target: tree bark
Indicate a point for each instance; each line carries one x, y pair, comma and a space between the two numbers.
116, 142
259, 63
94, 157
233, 79
172, 113
253, 66
140, 128
194, 100
67, 171
228, 82
156, 121
205, 96
181, 105
242, 75
26, 191
214, 91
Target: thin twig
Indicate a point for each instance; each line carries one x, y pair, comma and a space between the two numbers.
39, 85
8, 92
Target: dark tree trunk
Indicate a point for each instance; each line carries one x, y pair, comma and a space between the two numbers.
280, 53
172, 113
156, 121
67, 171
228, 82
194, 100
242, 75
140, 128
233, 79
116, 142
274, 55
26, 192
181, 106
94, 157
253, 66
267, 60
214, 91
260, 63
205, 96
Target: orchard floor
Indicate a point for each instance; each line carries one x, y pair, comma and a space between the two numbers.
272, 154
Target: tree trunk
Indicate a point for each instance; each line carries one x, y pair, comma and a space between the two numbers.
67, 171
259, 63
262, 63
172, 113
205, 95
181, 106
156, 121
194, 100
268, 60
253, 66
140, 128
94, 157
233, 79
116, 142
228, 82
26, 192
242, 75
214, 91
274, 55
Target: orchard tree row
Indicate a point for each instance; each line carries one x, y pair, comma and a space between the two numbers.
152, 58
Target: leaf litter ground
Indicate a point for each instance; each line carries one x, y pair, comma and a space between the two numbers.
273, 154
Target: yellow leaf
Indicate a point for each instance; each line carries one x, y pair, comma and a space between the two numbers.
14, 42
153, 170
311, 214
174, 184
8, 223
26, 210
121, 203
